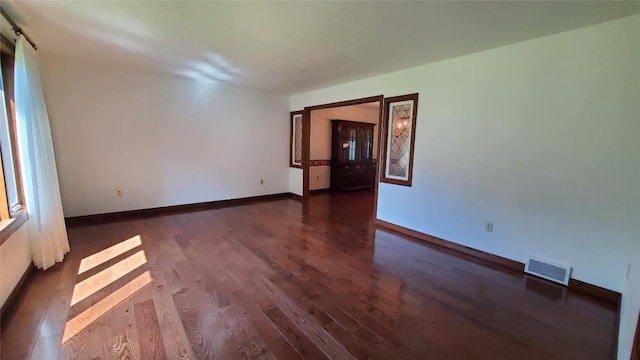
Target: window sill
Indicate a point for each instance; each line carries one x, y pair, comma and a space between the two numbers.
10, 226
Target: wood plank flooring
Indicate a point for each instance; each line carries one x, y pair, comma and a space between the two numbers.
290, 280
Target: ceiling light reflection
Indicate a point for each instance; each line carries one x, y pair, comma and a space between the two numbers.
202, 70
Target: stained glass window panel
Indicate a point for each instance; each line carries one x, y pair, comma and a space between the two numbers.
297, 121
399, 123
400, 140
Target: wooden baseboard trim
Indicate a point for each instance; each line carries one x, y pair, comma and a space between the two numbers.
491, 258
319, 191
295, 197
12, 299
607, 295
166, 210
610, 296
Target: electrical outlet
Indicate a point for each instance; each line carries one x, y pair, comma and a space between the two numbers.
488, 226
119, 193
261, 182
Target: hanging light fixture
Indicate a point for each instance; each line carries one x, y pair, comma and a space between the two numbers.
400, 126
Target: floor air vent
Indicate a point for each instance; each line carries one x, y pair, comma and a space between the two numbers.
548, 270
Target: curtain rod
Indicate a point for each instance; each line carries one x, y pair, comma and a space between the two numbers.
17, 29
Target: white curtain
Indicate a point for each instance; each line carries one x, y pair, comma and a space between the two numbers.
47, 232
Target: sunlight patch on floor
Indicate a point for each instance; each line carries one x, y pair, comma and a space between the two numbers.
107, 254
91, 285
85, 318
102, 279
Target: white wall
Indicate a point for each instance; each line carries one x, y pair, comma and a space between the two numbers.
295, 181
163, 140
541, 137
15, 259
630, 306
320, 144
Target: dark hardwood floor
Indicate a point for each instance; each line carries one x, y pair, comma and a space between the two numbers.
290, 280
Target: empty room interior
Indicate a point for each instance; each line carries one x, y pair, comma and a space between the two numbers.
320, 180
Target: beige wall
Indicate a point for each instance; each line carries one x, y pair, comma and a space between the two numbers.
320, 176
15, 259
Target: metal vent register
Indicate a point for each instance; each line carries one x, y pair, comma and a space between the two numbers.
548, 270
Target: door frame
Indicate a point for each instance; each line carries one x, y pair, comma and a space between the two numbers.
306, 140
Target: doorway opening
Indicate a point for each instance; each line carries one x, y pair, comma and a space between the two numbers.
342, 147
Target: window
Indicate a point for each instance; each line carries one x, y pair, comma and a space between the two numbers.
295, 140
11, 196
399, 124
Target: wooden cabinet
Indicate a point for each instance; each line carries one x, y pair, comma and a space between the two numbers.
352, 164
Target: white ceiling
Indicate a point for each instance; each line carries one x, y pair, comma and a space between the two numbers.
291, 47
